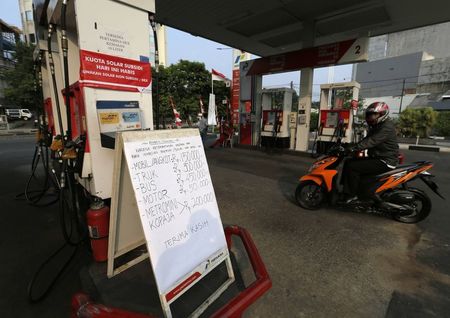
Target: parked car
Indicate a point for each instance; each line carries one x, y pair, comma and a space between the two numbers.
19, 113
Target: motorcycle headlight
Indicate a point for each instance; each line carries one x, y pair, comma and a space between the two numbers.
318, 163
315, 165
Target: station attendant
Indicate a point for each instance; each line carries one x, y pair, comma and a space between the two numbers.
203, 126
226, 131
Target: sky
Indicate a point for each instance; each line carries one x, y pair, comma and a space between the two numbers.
9, 12
184, 46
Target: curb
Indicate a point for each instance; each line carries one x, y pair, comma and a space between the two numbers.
424, 148
8, 133
280, 151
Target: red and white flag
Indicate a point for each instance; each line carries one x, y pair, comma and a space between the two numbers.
217, 76
176, 114
212, 110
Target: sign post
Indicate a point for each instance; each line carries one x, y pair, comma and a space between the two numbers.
165, 184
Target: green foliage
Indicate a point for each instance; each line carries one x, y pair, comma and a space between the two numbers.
417, 121
186, 81
314, 121
346, 95
443, 124
294, 101
20, 80
315, 104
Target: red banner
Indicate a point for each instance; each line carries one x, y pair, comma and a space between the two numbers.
112, 71
188, 281
318, 56
235, 97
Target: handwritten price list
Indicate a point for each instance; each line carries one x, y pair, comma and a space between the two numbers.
171, 181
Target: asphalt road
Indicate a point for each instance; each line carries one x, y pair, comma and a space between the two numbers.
28, 236
325, 263
331, 263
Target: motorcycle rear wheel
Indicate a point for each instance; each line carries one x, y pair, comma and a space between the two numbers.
309, 195
421, 208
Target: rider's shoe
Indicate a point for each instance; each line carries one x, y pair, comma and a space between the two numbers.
347, 200
352, 200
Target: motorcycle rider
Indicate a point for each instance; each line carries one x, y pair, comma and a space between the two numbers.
382, 146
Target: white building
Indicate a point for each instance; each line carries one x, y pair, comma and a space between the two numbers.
26, 13
405, 67
9, 35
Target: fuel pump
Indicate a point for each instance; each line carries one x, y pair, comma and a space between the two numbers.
276, 109
40, 191
98, 64
100, 75
96, 82
245, 124
337, 114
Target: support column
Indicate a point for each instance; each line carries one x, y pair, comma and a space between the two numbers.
292, 129
304, 109
256, 109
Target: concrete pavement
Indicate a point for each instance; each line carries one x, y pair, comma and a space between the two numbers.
325, 263
333, 263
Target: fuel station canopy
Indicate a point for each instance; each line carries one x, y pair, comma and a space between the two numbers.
272, 27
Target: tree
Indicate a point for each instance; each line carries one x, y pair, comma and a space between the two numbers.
315, 104
20, 81
417, 121
442, 125
186, 82
314, 121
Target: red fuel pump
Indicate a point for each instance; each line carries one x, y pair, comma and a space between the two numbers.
98, 225
245, 129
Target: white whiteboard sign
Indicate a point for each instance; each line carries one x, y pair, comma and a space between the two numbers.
176, 202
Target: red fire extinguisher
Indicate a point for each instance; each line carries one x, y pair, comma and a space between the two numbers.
98, 225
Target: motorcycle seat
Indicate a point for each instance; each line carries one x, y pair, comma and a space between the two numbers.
397, 169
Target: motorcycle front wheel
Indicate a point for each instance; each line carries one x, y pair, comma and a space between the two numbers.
421, 207
309, 195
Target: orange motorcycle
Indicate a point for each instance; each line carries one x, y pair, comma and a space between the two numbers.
389, 191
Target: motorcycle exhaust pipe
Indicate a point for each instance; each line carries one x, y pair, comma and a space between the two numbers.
389, 205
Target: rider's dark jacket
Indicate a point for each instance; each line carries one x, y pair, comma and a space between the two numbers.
381, 142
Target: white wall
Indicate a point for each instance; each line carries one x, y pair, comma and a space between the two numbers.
393, 102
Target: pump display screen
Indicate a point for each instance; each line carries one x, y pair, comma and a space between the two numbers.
332, 120
272, 118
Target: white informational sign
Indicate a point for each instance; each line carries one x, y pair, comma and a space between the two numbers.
292, 120
301, 119
358, 52
238, 57
118, 115
114, 42
212, 110
176, 204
